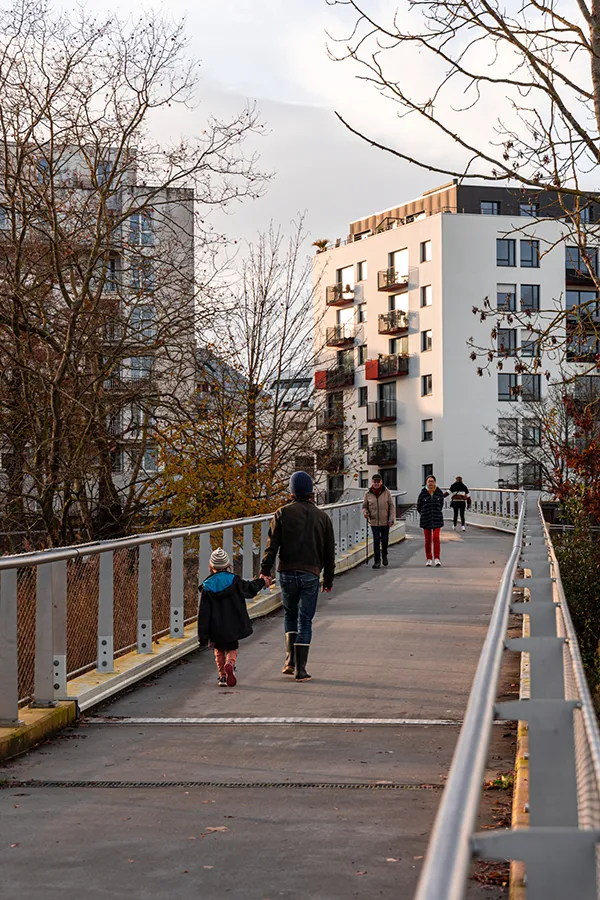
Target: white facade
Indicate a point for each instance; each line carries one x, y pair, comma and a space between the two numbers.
455, 272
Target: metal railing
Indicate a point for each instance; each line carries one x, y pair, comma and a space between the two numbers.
64, 611
559, 846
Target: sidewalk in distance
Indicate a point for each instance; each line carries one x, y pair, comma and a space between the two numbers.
401, 642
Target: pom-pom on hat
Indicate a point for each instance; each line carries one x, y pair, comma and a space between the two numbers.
219, 559
301, 484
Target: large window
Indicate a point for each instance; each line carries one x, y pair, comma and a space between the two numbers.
426, 385
579, 263
532, 433
363, 478
489, 207
582, 303
426, 471
531, 387
141, 368
530, 346
361, 271
506, 252
363, 438
140, 229
508, 476
426, 340
532, 476
399, 345
530, 296
142, 275
362, 354
425, 251
530, 254
529, 209
507, 341
508, 432
426, 429
507, 387
390, 479
581, 347
505, 297
362, 396
426, 295
143, 324
361, 312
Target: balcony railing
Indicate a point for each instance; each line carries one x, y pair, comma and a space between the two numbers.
381, 411
334, 378
386, 366
382, 453
340, 336
393, 322
330, 460
339, 295
392, 280
330, 419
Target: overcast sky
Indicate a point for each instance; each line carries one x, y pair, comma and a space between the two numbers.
274, 52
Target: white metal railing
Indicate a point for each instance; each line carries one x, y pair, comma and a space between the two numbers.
68, 609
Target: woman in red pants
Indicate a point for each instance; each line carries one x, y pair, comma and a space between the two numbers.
430, 505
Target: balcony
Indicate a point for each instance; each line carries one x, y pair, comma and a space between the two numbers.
381, 411
331, 461
330, 419
393, 322
389, 366
392, 280
382, 453
339, 295
335, 378
340, 336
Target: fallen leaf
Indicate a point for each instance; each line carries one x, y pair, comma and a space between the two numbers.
126, 819
417, 857
191, 838
185, 872
216, 828
14, 845
208, 867
361, 873
393, 859
130, 860
16, 805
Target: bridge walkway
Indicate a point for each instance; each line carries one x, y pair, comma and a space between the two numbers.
181, 810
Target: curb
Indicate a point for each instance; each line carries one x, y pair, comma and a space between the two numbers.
37, 724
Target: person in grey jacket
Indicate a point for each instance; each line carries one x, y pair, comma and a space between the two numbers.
303, 536
379, 511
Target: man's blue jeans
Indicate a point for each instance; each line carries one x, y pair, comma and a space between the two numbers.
300, 592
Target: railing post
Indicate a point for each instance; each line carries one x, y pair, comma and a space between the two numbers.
248, 553
9, 652
43, 694
177, 588
106, 656
144, 639
228, 543
204, 556
59, 629
264, 534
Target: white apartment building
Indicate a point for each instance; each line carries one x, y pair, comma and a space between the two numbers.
393, 316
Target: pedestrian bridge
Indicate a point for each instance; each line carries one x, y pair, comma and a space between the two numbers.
175, 788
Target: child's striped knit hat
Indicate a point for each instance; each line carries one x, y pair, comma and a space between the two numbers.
219, 559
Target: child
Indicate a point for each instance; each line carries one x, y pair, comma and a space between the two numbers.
223, 618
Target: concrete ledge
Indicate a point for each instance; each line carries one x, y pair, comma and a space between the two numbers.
520, 816
37, 724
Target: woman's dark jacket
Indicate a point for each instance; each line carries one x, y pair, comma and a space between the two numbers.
222, 615
430, 507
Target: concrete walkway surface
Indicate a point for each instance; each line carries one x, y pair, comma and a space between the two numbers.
265, 810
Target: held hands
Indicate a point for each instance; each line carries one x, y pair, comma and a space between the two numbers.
326, 590
267, 580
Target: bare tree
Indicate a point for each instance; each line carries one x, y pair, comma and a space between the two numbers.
99, 299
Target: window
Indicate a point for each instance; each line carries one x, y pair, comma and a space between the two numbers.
363, 479
581, 347
529, 345
111, 280
426, 340
362, 396
581, 262
362, 354
390, 479
489, 207
508, 476
143, 324
363, 439
426, 385
505, 251
508, 432
586, 215
426, 429
4, 219
426, 295
507, 342
150, 459
142, 275
103, 171
532, 476
530, 254
361, 271
505, 297
529, 209
361, 312
398, 302
530, 296
582, 303
117, 461
531, 387
425, 251
399, 345
426, 471
532, 433
141, 367
140, 230
507, 387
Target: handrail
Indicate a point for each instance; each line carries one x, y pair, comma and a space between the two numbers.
445, 871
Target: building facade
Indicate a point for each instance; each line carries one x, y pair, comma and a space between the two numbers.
394, 320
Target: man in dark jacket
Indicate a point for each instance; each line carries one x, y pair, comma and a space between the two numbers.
223, 618
460, 498
430, 505
303, 535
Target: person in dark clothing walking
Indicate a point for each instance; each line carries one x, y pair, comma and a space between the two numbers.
460, 498
302, 534
379, 511
430, 504
223, 618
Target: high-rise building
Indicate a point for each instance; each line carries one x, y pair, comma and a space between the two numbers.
394, 316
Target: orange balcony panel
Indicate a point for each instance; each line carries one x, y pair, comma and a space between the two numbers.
372, 369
